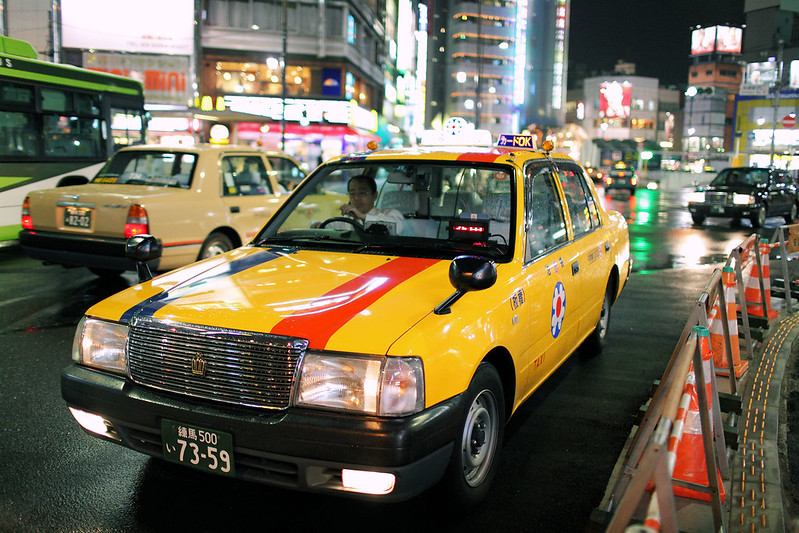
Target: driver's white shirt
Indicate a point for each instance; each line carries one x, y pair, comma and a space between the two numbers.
393, 219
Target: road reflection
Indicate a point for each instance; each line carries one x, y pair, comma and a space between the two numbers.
662, 234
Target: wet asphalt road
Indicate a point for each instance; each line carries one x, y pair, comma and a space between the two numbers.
559, 451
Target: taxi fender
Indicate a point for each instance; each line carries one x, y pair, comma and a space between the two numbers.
453, 345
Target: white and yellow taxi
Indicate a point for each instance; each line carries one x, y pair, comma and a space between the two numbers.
373, 357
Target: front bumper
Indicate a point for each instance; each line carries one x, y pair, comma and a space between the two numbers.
722, 210
78, 250
301, 449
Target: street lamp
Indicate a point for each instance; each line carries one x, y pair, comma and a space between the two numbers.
691, 92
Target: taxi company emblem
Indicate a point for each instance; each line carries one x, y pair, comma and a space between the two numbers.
558, 309
198, 365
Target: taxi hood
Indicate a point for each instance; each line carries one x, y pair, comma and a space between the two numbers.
338, 301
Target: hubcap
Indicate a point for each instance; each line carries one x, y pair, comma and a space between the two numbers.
479, 438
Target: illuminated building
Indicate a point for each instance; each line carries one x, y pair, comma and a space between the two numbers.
498, 63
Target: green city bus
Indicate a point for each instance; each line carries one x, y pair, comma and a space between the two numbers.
58, 124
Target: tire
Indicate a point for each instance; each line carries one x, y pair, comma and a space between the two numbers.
759, 218
698, 219
215, 244
595, 342
475, 456
791, 216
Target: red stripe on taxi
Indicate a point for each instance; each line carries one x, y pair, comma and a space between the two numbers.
320, 319
184, 243
479, 157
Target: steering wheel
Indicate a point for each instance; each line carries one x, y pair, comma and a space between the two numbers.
356, 224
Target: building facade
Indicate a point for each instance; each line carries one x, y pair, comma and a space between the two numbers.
765, 129
316, 78
500, 64
623, 116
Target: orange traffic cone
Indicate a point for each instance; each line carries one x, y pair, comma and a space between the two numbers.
717, 344
755, 305
690, 465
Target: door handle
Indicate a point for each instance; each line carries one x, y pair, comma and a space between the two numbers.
575, 268
235, 209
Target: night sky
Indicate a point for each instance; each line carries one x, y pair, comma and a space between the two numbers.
653, 34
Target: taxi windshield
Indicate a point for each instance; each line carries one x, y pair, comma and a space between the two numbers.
416, 209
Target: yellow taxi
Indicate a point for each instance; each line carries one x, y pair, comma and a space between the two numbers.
198, 201
375, 336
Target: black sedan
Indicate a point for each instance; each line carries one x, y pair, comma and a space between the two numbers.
751, 193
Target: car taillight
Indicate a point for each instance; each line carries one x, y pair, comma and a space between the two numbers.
27, 221
137, 222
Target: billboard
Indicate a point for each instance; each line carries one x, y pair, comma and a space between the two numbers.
145, 26
615, 99
723, 39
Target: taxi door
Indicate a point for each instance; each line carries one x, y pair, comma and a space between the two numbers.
587, 257
551, 297
248, 193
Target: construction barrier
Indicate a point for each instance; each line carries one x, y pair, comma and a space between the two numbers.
758, 286
681, 436
691, 465
724, 342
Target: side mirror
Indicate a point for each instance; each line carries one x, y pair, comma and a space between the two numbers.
468, 273
142, 249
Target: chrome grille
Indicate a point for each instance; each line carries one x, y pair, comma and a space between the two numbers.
238, 367
718, 198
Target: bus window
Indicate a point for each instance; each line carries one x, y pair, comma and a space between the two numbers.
71, 137
18, 134
59, 101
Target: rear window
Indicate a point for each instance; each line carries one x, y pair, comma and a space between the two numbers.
158, 168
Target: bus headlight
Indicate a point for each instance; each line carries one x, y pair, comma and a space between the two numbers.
101, 345
387, 386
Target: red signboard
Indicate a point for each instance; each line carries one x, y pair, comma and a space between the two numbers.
615, 99
789, 121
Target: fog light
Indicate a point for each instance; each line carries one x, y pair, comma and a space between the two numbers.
367, 482
94, 423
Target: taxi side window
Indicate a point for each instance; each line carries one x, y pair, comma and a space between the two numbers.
245, 176
582, 209
544, 220
287, 173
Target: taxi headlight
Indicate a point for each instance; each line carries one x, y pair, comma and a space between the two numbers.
742, 199
100, 344
387, 386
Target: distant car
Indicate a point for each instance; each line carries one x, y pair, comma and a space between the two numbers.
751, 193
595, 174
198, 201
370, 356
621, 178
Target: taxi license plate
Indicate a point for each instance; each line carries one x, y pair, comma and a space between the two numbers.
77, 217
202, 448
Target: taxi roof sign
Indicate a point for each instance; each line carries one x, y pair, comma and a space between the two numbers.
456, 132
507, 140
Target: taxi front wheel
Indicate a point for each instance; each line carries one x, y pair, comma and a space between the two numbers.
475, 458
